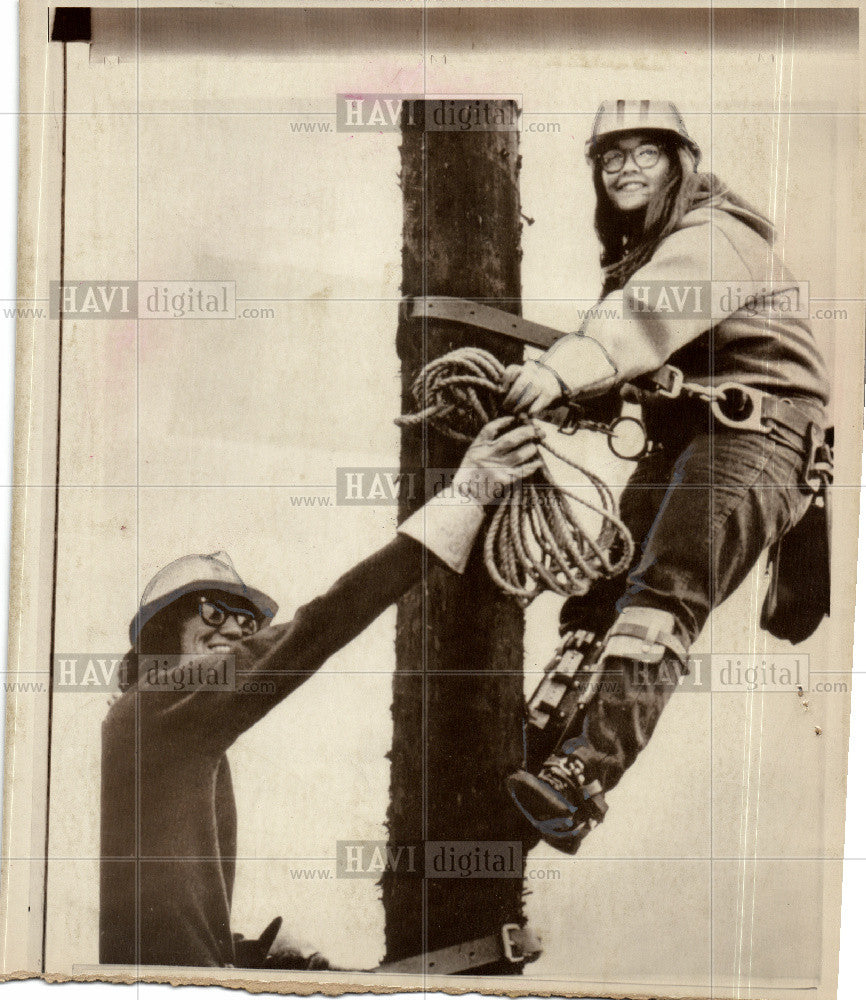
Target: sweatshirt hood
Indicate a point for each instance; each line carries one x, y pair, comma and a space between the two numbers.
712, 193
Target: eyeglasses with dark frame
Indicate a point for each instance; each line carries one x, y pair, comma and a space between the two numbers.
215, 614
646, 155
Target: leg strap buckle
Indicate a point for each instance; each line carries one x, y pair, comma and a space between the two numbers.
644, 634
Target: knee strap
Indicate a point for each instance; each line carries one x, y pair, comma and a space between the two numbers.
644, 635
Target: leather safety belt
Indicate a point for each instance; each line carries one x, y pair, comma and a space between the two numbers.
513, 943
479, 315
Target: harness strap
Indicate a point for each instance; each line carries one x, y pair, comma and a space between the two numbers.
753, 409
513, 943
666, 381
593, 792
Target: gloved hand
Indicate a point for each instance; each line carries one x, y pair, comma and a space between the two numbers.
532, 387
289, 952
504, 451
250, 953
272, 950
501, 454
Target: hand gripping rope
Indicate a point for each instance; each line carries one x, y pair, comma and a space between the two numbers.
535, 540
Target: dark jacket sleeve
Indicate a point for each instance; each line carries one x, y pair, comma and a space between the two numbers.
277, 660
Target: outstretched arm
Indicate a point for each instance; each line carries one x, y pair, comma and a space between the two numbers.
274, 662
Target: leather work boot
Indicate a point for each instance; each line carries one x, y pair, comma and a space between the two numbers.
558, 802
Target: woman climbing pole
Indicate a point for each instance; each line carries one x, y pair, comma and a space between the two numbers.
734, 392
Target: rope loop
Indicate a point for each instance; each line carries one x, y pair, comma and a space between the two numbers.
536, 539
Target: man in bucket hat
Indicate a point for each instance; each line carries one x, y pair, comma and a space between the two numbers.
168, 839
191, 574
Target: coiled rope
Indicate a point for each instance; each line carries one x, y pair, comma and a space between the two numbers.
535, 540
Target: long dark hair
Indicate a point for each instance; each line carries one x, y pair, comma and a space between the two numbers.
162, 635
629, 240
159, 637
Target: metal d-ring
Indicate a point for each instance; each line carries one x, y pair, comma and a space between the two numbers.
629, 454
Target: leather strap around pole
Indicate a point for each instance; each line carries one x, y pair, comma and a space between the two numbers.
516, 944
485, 317
481, 316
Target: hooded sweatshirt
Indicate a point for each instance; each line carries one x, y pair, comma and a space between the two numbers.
714, 301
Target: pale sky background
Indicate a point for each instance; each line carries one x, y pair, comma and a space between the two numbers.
197, 440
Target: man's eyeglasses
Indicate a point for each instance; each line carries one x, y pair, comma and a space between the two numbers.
215, 613
645, 156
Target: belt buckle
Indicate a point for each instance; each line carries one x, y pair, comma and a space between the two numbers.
753, 420
676, 387
408, 307
509, 943
567, 418
519, 944
818, 471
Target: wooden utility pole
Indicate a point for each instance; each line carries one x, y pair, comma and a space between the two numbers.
456, 734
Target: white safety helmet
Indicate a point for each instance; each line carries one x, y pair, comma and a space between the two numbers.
192, 573
615, 117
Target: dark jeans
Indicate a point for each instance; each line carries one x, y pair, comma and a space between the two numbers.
701, 511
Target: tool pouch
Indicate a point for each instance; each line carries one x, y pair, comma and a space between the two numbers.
799, 562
